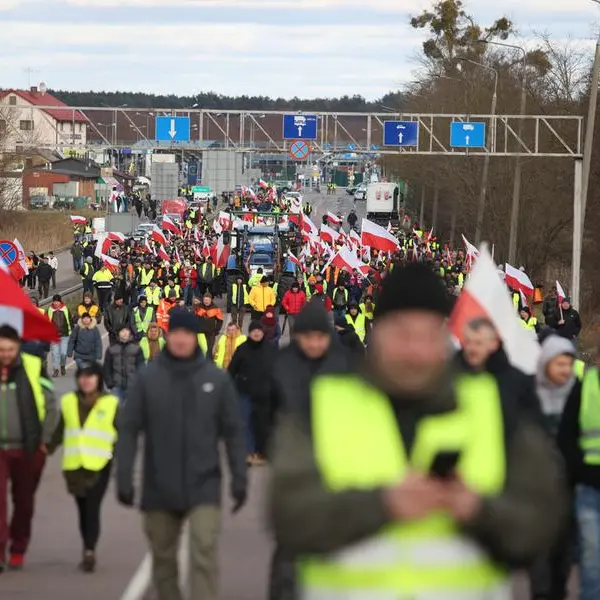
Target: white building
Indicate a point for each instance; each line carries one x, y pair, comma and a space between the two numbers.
24, 125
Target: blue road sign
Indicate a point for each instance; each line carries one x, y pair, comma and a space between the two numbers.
374, 147
351, 147
467, 135
400, 133
8, 253
172, 129
300, 127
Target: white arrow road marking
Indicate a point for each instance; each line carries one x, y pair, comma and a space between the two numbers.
172, 130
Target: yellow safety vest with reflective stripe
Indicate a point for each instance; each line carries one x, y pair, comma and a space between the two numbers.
579, 369
220, 349
88, 446
153, 296
202, 343
531, 324
176, 288
102, 276
255, 280
589, 418
461, 280
141, 325
145, 347
234, 294
360, 325
428, 558
33, 370
146, 276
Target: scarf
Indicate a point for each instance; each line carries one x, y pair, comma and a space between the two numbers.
154, 347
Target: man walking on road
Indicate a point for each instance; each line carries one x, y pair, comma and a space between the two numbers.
53, 262
184, 405
44, 276
29, 415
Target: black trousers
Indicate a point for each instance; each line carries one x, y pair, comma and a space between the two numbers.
44, 289
89, 507
282, 579
261, 424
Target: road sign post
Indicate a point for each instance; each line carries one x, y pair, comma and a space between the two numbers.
467, 135
300, 127
172, 129
401, 133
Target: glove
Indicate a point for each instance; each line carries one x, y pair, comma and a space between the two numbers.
239, 499
125, 498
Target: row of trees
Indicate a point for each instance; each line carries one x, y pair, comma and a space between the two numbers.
557, 82
211, 100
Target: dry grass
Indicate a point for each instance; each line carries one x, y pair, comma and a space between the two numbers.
40, 230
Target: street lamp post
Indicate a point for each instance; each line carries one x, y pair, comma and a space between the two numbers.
486, 161
516, 198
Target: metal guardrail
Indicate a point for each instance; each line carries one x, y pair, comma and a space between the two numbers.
68, 292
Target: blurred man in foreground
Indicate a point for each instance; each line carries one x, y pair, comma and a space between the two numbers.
409, 481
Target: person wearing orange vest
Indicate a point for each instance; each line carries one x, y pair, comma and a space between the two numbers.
164, 307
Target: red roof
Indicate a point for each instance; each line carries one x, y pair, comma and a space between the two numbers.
36, 98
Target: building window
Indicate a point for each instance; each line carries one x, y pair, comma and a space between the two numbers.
12, 100
26, 125
2, 127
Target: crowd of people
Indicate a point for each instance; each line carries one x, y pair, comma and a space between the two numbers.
401, 468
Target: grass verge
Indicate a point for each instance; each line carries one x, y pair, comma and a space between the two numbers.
40, 230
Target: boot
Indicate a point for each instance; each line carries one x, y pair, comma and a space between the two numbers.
55, 373
88, 563
63, 371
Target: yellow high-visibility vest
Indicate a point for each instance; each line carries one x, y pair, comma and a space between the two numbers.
153, 296
429, 558
146, 276
141, 325
579, 369
33, 370
589, 418
234, 294
89, 445
176, 288
360, 326
369, 314
529, 324
63, 310
202, 343
220, 349
145, 347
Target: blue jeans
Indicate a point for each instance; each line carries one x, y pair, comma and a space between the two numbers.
587, 507
188, 294
59, 353
246, 412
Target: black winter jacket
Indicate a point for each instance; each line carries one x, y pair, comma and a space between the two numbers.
121, 363
116, 317
251, 368
183, 408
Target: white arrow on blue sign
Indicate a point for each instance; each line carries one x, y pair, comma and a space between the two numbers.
467, 135
300, 127
172, 129
400, 133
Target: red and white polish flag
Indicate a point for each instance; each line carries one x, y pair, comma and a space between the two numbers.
158, 236
377, 237
168, 225
77, 220
116, 236
560, 293
485, 295
518, 280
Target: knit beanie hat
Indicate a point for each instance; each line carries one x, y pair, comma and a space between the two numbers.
182, 319
255, 325
412, 287
313, 317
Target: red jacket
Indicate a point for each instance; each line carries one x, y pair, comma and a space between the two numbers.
293, 302
191, 279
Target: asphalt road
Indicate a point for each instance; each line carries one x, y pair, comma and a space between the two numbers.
123, 566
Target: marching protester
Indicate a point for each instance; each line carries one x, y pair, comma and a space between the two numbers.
261, 296
237, 300
293, 302
89, 306
228, 343
347, 336
251, 368
152, 343
142, 316
116, 316
211, 320
271, 327
121, 363
313, 351
487, 470
85, 342
58, 313
182, 476
29, 418
87, 433
568, 321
